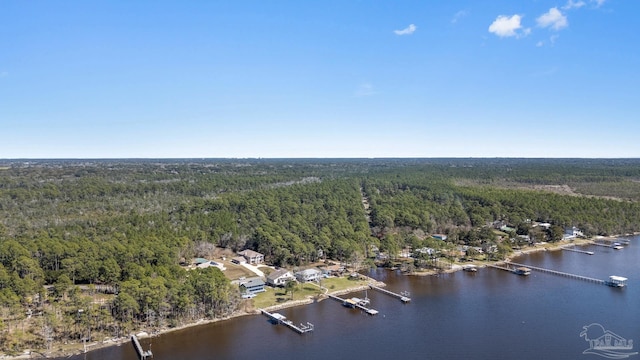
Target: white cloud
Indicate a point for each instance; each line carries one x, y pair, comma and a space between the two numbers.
507, 26
406, 31
598, 2
459, 15
553, 19
571, 4
540, 43
365, 89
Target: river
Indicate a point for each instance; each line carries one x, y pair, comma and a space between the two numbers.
491, 314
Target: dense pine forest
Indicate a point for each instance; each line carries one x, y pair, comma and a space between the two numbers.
93, 248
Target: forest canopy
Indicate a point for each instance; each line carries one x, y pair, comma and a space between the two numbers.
126, 224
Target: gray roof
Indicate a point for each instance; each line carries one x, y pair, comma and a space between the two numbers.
276, 274
256, 281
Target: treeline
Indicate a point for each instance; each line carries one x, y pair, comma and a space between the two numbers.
70, 229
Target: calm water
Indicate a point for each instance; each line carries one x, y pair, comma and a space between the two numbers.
491, 314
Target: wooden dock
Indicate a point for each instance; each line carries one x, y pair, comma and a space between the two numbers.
549, 271
404, 297
280, 319
601, 244
354, 305
496, 266
141, 353
572, 248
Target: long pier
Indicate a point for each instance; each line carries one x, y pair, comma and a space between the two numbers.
404, 297
615, 240
500, 267
141, 353
359, 306
601, 244
577, 250
572, 276
280, 319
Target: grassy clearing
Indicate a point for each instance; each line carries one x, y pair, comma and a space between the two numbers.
279, 296
234, 272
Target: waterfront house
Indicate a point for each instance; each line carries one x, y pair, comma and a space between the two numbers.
252, 286
253, 257
308, 275
280, 277
572, 233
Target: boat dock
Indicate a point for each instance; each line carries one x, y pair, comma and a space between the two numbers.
281, 319
353, 304
496, 266
572, 276
601, 244
404, 296
572, 248
141, 353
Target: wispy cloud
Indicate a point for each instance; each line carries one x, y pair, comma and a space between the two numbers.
365, 89
553, 19
552, 41
406, 31
508, 26
459, 15
598, 2
571, 4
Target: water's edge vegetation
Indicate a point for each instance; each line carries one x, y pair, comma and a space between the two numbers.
92, 249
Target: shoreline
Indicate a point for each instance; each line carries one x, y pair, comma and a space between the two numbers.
311, 299
144, 335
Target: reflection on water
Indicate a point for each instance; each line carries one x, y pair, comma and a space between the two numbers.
488, 314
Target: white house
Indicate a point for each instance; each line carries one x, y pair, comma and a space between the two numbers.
572, 233
280, 277
308, 275
253, 257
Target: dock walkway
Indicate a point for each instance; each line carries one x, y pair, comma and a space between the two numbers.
495, 266
572, 248
359, 306
572, 276
141, 353
280, 319
404, 297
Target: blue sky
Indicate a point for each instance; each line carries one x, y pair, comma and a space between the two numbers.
503, 78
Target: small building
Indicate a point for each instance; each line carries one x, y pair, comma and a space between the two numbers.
572, 233
211, 263
253, 257
252, 286
239, 260
199, 261
439, 237
617, 281
308, 275
280, 277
